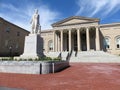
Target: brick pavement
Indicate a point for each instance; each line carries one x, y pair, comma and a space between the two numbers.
80, 76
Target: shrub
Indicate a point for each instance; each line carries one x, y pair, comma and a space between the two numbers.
45, 59
30, 59
7, 58
20, 59
57, 59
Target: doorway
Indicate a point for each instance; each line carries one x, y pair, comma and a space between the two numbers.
83, 41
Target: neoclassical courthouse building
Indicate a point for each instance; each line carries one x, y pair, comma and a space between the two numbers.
82, 34
74, 33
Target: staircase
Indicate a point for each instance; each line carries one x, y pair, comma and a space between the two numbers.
53, 54
94, 57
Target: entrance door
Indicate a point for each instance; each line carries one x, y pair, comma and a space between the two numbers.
83, 42
75, 41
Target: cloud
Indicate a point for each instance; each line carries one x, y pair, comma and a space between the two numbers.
47, 17
98, 7
21, 16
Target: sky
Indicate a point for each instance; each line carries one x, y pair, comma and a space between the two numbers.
20, 12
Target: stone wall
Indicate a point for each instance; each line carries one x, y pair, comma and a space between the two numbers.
32, 67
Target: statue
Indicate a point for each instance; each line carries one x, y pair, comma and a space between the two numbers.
35, 23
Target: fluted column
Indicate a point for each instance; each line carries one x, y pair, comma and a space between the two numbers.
59, 42
88, 39
69, 40
97, 39
78, 40
61, 35
54, 41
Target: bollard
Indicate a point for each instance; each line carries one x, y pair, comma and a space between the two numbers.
53, 68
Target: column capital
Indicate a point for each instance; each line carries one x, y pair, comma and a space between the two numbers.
77, 28
61, 30
87, 28
97, 26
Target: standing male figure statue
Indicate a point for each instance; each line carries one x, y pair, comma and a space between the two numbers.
35, 23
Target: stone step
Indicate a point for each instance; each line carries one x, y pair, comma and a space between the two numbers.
95, 56
53, 54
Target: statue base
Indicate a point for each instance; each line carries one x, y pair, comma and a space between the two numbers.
33, 47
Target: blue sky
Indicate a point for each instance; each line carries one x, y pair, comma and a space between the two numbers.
20, 12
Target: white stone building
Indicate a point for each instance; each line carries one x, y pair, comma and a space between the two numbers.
82, 34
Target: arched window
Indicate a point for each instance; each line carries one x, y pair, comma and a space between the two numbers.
118, 42
107, 42
50, 45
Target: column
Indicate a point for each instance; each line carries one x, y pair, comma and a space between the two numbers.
61, 40
97, 39
53, 41
69, 40
87, 39
78, 40
56, 42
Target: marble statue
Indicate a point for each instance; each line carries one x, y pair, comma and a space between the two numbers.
35, 25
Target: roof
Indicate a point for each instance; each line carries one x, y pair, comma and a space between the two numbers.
110, 24
75, 17
13, 24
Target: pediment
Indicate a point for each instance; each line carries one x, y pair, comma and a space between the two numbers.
75, 20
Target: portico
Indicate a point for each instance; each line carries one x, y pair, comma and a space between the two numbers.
76, 39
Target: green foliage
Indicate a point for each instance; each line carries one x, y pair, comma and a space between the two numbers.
30, 59
45, 59
57, 59
7, 58
20, 59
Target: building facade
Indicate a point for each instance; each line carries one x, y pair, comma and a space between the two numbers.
11, 39
82, 34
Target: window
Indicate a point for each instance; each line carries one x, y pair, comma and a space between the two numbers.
107, 42
118, 42
17, 46
7, 29
6, 43
50, 45
18, 33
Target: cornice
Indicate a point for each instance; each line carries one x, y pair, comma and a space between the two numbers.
109, 25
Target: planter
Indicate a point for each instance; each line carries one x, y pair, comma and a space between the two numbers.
33, 67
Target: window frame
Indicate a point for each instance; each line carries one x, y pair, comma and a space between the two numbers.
117, 44
50, 45
107, 41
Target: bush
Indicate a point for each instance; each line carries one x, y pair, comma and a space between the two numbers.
44, 58
7, 58
30, 59
57, 59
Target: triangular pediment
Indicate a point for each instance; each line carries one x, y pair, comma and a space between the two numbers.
74, 20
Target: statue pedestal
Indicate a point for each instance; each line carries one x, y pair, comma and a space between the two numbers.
33, 47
